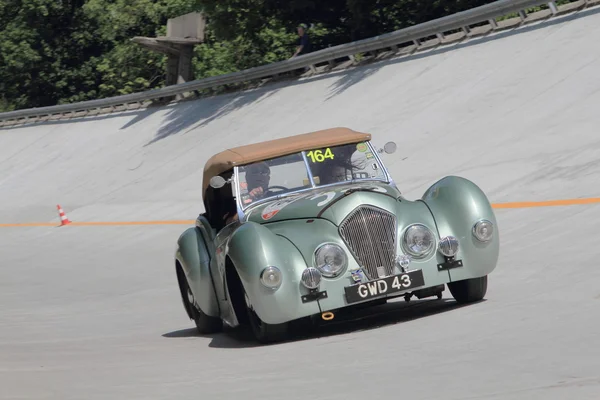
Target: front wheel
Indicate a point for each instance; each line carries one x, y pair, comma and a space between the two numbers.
469, 290
204, 323
263, 332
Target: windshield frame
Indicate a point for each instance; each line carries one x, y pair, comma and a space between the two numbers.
243, 210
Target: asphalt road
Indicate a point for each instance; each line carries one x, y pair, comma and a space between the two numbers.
93, 312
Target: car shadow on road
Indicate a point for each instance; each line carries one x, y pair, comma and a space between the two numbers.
391, 313
230, 338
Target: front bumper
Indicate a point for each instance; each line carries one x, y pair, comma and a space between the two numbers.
334, 295
346, 291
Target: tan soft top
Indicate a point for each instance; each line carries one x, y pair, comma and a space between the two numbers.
251, 153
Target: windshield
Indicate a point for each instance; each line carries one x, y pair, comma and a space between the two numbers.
328, 165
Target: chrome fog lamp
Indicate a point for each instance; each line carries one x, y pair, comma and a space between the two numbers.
418, 240
330, 259
311, 278
483, 230
271, 277
448, 246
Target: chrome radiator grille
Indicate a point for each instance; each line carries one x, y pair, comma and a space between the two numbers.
370, 233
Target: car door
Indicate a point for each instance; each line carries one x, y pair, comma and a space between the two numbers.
218, 271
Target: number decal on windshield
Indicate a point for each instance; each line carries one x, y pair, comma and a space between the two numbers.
318, 156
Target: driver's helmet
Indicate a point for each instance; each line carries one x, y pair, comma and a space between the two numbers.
258, 175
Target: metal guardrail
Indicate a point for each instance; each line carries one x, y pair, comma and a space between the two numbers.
462, 20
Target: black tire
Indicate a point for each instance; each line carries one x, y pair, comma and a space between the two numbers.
204, 324
263, 332
469, 290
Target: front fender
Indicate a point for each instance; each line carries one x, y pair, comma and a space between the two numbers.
457, 204
194, 258
254, 247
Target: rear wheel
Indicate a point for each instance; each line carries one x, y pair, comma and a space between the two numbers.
469, 290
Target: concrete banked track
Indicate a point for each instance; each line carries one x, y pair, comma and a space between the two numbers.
93, 312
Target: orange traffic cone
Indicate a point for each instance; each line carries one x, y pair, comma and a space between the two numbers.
63, 218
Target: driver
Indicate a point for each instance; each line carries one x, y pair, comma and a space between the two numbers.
258, 177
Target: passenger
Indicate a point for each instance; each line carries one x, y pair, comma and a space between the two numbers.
335, 172
339, 169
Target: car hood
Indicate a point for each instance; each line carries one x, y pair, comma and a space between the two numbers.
332, 203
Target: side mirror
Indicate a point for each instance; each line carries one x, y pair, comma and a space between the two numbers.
390, 147
217, 182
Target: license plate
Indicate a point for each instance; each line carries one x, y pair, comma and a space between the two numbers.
381, 287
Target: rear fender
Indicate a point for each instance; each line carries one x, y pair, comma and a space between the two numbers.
254, 247
193, 256
457, 204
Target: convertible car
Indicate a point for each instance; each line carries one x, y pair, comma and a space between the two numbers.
309, 225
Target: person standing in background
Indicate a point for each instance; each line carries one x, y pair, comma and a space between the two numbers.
304, 41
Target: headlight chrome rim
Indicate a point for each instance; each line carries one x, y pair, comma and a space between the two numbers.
344, 262
448, 246
477, 230
311, 278
423, 254
271, 271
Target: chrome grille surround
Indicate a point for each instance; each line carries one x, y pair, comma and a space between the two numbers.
371, 234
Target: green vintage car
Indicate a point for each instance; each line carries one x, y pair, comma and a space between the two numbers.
308, 225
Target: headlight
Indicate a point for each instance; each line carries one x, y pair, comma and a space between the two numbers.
448, 246
330, 259
483, 230
418, 240
271, 277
